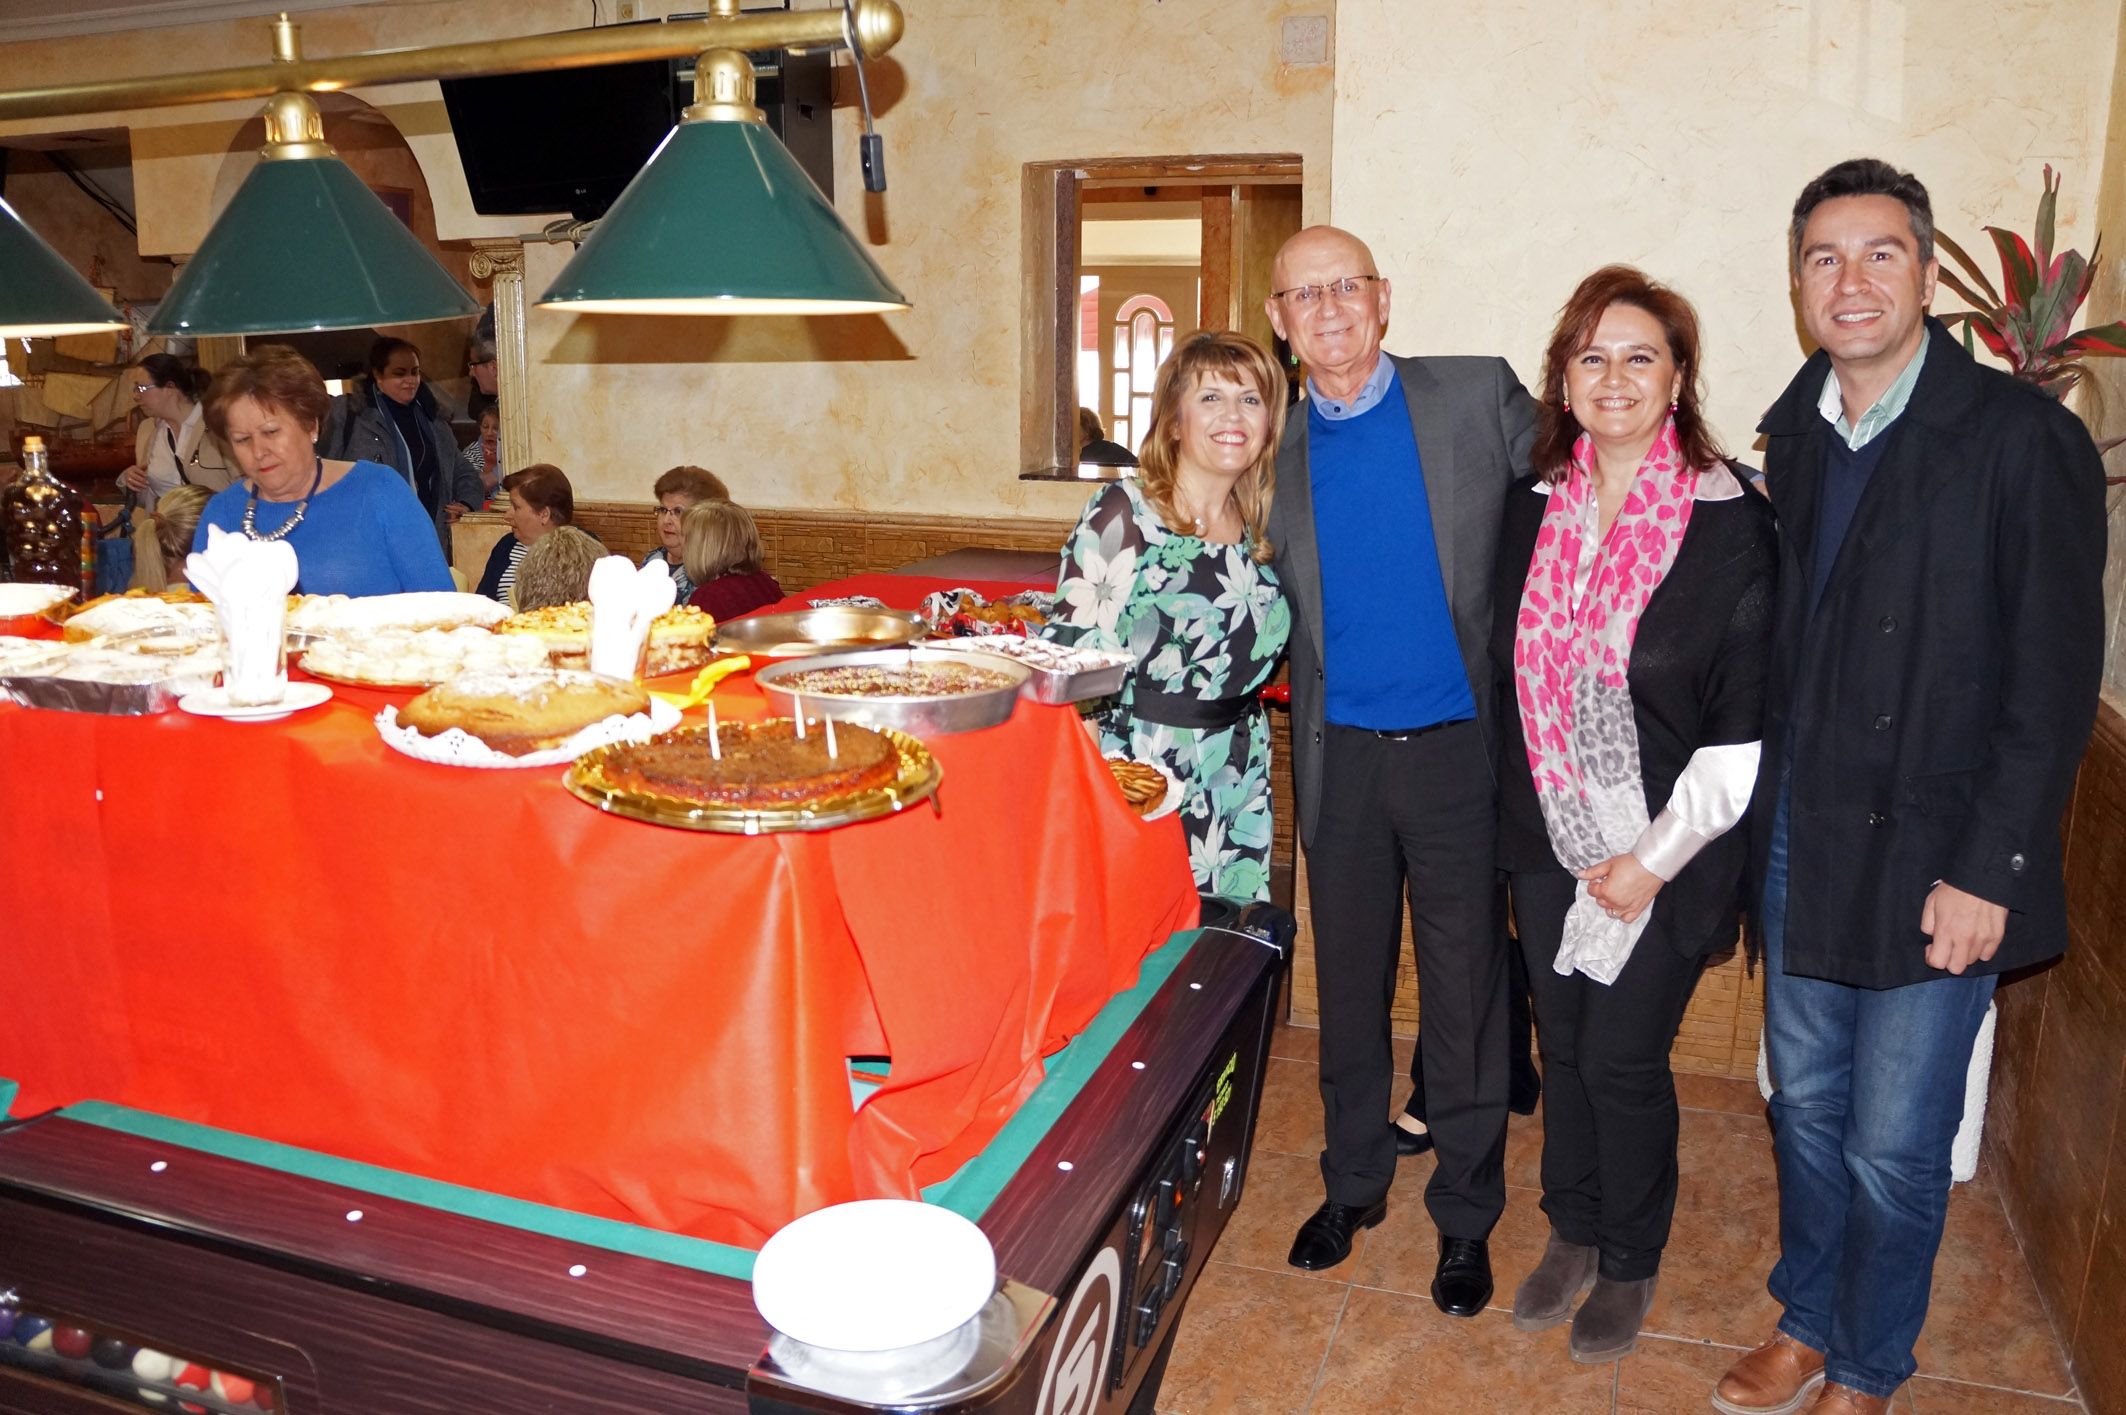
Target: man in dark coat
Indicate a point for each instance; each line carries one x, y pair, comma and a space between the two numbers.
1937, 646
1391, 484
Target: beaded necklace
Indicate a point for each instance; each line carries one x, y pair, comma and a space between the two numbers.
302, 508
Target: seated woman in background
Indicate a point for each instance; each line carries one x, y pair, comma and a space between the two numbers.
483, 457
722, 559
173, 447
393, 417
679, 491
356, 527
557, 570
540, 499
1174, 568
163, 537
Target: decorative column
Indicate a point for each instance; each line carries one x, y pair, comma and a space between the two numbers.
502, 262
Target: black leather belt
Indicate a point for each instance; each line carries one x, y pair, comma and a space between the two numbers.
1184, 710
1403, 734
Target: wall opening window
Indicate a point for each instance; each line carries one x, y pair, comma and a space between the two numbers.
1144, 337
1125, 258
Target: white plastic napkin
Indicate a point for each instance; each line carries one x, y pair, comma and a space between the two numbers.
625, 598
248, 582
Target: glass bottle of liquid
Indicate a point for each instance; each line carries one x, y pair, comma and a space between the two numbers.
42, 521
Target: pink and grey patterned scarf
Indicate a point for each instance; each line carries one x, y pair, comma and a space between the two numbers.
1571, 658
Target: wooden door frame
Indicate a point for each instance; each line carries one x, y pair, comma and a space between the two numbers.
1049, 256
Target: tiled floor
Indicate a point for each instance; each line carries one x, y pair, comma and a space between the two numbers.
1259, 1335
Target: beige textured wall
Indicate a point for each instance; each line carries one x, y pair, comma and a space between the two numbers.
1496, 153
915, 412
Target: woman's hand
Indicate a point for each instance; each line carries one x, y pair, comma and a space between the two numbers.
1622, 886
454, 510
134, 478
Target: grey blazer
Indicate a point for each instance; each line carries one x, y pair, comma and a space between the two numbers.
1475, 425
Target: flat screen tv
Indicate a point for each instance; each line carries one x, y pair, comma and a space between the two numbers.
571, 139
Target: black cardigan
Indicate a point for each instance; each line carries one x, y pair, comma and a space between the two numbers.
1697, 680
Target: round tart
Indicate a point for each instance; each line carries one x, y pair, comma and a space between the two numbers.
911, 680
521, 713
763, 764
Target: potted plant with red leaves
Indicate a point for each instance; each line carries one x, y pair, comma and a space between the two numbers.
2028, 327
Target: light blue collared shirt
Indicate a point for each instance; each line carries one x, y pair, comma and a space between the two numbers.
1885, 411
1336, 410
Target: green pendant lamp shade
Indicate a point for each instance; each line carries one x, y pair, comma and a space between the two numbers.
40, 293
722, 220
304, 245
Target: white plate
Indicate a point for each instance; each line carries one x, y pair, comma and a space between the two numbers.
456, 747
874, 1275
1171, 801
214, 702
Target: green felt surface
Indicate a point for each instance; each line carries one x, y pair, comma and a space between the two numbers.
969, 1192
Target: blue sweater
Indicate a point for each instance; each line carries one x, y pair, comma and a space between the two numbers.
1389, 656
365, 534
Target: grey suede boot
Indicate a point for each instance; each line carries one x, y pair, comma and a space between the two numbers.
1546, 1296
1607, 1324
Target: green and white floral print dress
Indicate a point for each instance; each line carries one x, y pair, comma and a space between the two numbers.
1203, 620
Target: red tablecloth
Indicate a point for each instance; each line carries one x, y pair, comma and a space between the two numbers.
289, 931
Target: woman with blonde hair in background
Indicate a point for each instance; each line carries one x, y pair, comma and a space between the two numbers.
1173, 568
162, 538
556, 569
722, 557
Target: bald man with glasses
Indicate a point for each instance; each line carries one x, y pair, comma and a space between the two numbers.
1390, 491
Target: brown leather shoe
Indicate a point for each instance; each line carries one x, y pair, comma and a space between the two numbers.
1844, 1400
1778, 1378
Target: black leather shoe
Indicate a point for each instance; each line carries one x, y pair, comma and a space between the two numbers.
1411, 1142
1325, 1239
1462, 1285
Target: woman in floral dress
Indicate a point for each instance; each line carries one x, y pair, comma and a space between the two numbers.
1174, 568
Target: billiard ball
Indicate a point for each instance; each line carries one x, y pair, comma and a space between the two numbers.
71, 1342
152, 1365
33, 1331
265, 1399
111, 1353
232, 1388
190, 1375
7, 1322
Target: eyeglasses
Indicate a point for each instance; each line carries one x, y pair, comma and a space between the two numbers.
1304, 296
142, 387
664, 511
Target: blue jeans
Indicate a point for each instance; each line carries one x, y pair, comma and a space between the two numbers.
1870, 1093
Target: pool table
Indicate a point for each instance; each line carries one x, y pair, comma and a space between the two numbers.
327, 1285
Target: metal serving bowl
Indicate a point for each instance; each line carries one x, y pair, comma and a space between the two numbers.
815, 631
924, 716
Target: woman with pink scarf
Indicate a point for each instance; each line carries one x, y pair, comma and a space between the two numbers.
1634, 599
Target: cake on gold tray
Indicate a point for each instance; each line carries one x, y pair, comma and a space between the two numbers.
759, 777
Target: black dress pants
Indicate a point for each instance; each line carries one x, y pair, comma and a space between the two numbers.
1421, 813
1520, 1024
1609, 1098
